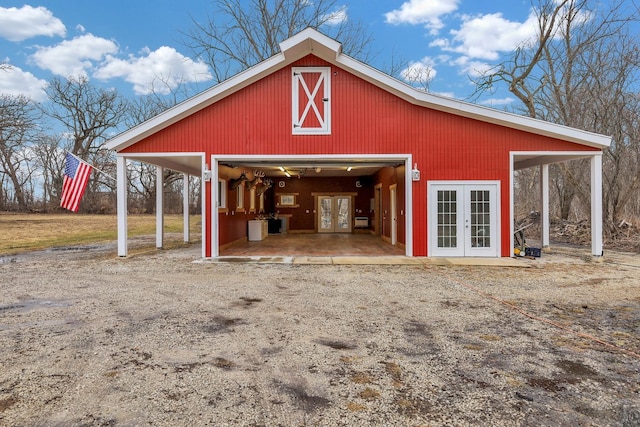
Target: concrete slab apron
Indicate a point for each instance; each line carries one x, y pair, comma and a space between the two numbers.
369, 260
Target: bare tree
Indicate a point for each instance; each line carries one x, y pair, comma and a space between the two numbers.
50, 163
142, 177
419, 76
18, 124
240, 34
581, 71
87, 112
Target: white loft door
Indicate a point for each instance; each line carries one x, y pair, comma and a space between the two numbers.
334, 214
463, 220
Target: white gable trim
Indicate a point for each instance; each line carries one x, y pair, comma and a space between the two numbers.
311, 41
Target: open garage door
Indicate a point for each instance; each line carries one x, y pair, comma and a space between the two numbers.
309, 194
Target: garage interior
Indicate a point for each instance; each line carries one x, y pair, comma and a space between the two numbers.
299, 195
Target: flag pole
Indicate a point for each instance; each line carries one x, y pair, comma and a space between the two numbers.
93, 167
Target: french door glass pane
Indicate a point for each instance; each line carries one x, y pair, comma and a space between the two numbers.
325, 213
447, 219
480, 219
343, 213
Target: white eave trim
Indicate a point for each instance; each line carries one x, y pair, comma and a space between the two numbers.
311, 41
194, 104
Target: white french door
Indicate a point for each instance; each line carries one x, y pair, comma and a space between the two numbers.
463, 219
334, 214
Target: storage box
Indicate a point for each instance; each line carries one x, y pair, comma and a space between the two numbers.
534, 252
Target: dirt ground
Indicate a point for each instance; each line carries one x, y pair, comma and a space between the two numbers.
163, 339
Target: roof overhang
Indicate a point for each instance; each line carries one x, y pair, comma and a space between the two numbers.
310, 41
524, 160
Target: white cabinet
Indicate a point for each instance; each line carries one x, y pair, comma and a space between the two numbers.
258, 229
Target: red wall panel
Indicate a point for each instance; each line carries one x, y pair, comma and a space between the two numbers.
365, 120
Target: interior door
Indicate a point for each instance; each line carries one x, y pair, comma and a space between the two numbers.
334, 214
463, 220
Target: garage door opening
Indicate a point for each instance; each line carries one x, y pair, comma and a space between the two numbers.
312, 199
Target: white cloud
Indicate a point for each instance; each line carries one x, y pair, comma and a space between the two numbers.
486, 36
158, 71
336, 18
422, 12
74, 57
15, 81
21, 24
420, 73
496, 102
471, 68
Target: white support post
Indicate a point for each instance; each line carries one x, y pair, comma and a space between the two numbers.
159, 207
214, 235
596, 205
204, 208
121, 167
544, 200
185, 206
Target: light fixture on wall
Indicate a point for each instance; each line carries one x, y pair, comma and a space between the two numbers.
415, 172
318, 169
287, 174
349, 169
206, 173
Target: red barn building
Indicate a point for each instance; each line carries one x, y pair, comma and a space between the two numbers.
347, 147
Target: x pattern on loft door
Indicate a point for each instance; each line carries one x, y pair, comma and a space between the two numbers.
311, 106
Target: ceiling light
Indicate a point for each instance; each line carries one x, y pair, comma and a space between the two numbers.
287, 174
318, 169
281, 168
349, 169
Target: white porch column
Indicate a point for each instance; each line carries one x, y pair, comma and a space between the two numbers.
214, 235
544, 200
185, 206
596, 205
121, 167
159, 207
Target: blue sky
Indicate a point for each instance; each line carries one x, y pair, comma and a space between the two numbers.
127, 44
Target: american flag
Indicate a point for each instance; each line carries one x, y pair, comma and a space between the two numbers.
76, 177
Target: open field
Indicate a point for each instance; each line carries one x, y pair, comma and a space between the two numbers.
165, 339
28, 232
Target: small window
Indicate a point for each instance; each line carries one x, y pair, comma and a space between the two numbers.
222, 194
252, 200
240, 198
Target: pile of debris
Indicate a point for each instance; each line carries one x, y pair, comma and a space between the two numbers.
623, 237
574, 232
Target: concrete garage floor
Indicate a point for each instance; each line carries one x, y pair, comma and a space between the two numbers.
357, 248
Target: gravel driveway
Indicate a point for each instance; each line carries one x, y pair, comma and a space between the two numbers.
157, 339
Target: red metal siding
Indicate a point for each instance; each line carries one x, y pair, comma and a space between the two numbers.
365, 120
